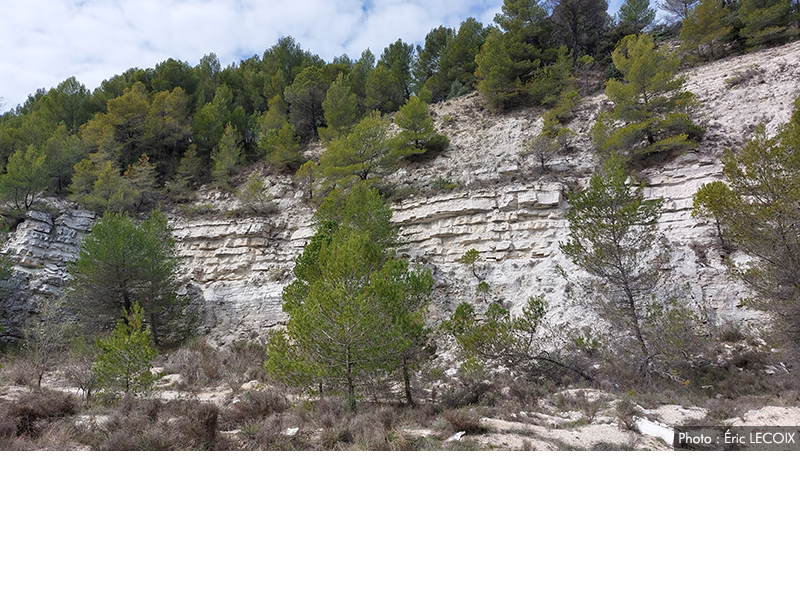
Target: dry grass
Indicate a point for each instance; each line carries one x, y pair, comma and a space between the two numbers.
266, 416
202, 366
18, 370
466, 420
36, 409
256, 405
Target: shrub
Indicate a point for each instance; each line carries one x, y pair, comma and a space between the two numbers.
442, 183
466, 420
627, 412
199, 364
125, 358
199, 427
255, 406
254, 198
34, 410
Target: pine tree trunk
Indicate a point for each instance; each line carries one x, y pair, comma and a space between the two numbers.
407, 381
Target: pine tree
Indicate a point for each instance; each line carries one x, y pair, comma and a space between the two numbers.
636, 15
497, 75
226, 157
706, 29
514, 343
306, 177
384, 91
445, 67
102, 188
189, 176
141, 177
523, 64
354, 310
340, 108
62, 152
305, 97
764, 21
579, 24
282, 147
651, 109
677, 10
398, 58
758, 211
208, 123
25, 177
121, 262
126, 357
612, 235
364, 154
429, 57
417, 135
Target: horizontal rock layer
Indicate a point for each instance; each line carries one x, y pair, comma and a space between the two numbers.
480, 194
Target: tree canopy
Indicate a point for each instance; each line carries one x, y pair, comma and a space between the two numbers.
122, 262
651, 112
355, 310
613, 233
757, 209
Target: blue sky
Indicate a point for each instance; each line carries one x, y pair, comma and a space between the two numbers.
43, 42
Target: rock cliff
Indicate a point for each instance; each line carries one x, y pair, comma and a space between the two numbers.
41, 249
478, 194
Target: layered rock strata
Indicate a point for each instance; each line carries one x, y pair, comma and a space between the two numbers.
480, 194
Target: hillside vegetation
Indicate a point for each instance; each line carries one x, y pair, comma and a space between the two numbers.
118, 362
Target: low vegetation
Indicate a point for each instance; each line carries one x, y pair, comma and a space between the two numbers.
116, 363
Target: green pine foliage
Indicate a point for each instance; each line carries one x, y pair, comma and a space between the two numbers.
757, 209
364, 154
355, 311
579, 25
208, 123
62, 151
305, 97
25, 177
417, 135
497, 78
445, 67
306, 177
523, 64
278, 138
636, 16
706, 30
340, 108
514, 343
384, 92
102, 188
191, 173
613, 234
282, 147
652, 111
141, 177
125, 358
226, 157
764, 21
122, 262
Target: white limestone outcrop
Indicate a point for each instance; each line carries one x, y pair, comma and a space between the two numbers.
478, 194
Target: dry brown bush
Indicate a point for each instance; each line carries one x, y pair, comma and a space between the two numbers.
254, 406
199, 363
18, 371
466, 420
198, 429
37, 408
243, 362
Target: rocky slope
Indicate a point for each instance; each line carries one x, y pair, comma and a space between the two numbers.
479, 194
